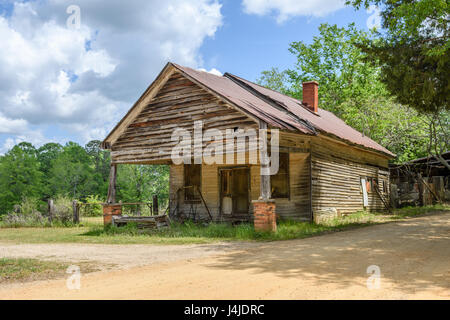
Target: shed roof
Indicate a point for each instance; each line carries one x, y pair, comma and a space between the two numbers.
276, 109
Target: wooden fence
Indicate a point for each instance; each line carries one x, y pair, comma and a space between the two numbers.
78, 207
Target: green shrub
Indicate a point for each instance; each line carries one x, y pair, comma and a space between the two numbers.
63, 211
93, 208
26, 214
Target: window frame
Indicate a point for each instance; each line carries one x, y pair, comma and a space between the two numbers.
373, 183
287, 180
187, 197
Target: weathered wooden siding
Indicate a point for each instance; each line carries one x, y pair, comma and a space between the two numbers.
178, 104
295, 208
336, 177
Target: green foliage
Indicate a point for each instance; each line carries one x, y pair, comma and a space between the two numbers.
71, 172
29, 269
350, 86
25, 214
286, 229
101, 163
32, 212
276, 80
20, 176
47, 154
415, 211
333, 60
138, 183
413, 51
96, 233
94, 209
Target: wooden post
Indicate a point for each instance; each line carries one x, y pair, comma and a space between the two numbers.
155, 205
265, 179
51, 210
76, 217
112, 185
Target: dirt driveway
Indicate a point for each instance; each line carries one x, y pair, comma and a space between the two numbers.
413, 256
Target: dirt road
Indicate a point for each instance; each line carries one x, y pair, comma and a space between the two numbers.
413, 256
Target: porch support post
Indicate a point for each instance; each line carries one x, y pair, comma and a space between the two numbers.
265, 192
264, 208
112, 184
110, 208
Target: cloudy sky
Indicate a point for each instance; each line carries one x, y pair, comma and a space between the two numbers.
63, 81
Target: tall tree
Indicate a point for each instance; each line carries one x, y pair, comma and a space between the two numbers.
141, 182
72, 172
47, 154
350, 87
20, 176
413, 51
101, 162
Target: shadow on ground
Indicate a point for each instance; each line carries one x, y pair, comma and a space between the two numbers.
413, 255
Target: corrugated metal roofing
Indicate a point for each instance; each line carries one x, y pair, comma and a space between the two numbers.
279, 110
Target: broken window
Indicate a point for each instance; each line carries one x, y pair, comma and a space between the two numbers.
192, 181
371, 184
280, 181
226, 182
384, 185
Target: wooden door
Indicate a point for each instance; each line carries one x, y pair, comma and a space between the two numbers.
226, 197
240, 191
234, 191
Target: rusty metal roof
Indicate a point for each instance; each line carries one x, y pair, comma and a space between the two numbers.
278, 110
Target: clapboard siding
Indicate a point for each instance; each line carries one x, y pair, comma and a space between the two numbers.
178, 104
297, 207
336, 178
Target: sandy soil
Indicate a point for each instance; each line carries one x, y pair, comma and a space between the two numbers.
413, 256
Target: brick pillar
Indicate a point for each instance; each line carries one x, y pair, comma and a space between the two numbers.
264, 215
110, 210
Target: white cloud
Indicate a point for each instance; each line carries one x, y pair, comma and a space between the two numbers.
12, 126
84, 80
212, 71
285, 9
35, 137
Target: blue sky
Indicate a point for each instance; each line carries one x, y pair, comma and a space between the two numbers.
60, 83
247, 44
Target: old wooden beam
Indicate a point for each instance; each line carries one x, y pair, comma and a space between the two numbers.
265, 178
75, 207
112, 184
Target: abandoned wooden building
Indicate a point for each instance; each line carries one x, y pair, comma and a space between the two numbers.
325, 166
421, 181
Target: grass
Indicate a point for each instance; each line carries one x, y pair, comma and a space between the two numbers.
29, 269
24, 269
92, 230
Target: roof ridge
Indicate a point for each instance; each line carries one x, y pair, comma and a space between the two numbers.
256, 84
278, 104
298, 101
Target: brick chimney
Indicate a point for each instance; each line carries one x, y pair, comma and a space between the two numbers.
311, 95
